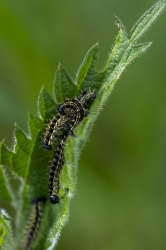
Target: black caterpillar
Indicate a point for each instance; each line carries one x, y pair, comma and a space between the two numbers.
53, 131
87, 98
54, 172
33, 224
70, 114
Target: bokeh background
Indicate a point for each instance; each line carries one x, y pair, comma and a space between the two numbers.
120, 202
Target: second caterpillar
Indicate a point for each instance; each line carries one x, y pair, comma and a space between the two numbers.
70, 113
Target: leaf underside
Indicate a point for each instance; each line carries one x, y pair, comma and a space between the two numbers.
23, 168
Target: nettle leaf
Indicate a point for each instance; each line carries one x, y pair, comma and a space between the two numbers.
6, 235
23, 168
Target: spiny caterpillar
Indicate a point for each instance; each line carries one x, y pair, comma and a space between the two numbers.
33, 224
53, 131
70, 114
76, 109
55, 169
65, 121
86, 99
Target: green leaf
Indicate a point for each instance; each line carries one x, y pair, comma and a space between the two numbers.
87, 75
6, 236
4, 193
23, 170
63, 87
5, 155
146, 20
10, 186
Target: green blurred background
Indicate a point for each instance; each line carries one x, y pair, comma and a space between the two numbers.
120, 202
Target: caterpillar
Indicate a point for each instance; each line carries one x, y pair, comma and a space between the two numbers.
74, 113
55, 169
53, 131
70, 114
33, 224
86, 99
76, 109
49, 131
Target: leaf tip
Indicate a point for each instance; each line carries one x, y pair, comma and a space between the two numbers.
120, 25
96, 45
59, 66
15, 125
16, 128
118, 22
2, 142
